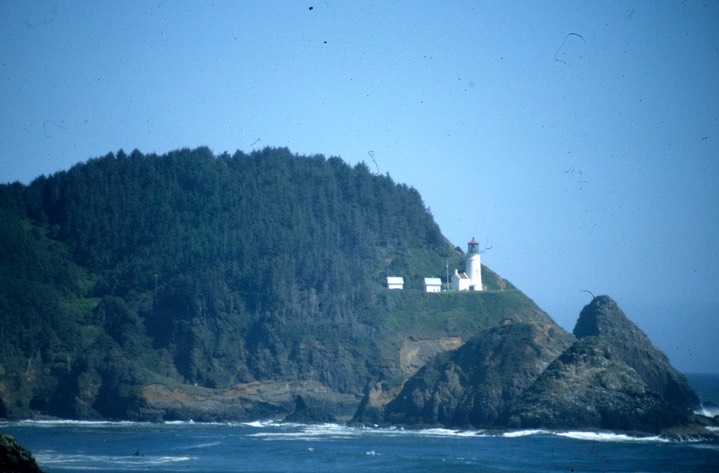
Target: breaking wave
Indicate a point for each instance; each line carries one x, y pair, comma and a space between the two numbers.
79, 423
711, 410
282, 431
286, 431
74, 462
524, 433
610, 437
277, 430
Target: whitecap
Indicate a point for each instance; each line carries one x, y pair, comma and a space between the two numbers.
705, 446
308, 432
708, 411
451, 433
79, 461
437, 432
166, 459
264, 423
282, 436
610, 437
523, 433
256, 423
79, 423
285, 431
201, 445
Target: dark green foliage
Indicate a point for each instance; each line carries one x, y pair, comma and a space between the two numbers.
212, 270
39, 334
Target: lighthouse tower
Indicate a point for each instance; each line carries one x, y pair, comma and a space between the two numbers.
473, 267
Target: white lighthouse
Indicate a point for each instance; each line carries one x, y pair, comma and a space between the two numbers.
471, 278
473, 267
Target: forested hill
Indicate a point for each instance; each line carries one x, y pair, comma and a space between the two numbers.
209, 271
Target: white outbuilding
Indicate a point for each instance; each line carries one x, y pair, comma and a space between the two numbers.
395, 282
432, 285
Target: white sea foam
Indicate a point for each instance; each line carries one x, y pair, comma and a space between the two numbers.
90, 462
179, 422
284, 431
80, 423
523, 433
257, 424
708, 411
433, 432
285, 436
307, 432
201, 445
167, 459
705, 446
610, 437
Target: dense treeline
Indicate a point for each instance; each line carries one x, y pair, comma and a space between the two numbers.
206, 269
263, 221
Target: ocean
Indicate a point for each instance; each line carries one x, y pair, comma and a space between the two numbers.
270, 446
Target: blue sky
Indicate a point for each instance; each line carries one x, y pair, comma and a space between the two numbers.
580, 140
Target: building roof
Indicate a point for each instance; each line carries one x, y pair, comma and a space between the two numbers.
433, 281
395, 280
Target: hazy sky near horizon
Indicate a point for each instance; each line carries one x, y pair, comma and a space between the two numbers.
579, 140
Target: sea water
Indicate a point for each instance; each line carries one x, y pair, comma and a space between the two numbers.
270, 446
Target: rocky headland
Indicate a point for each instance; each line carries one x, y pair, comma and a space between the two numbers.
254, 286
608, 376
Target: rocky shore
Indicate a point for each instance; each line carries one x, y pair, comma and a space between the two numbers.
607, 376
14, 458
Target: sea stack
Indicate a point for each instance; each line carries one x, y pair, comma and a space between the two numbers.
612, 378
608, 376
603, 318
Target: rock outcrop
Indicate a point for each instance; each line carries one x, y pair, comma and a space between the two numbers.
473, 385
521, 375
14, 458
612, 378
371, 409
247, 401
590, 387
312, 413
603, 318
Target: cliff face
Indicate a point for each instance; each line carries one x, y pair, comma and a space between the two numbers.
474, 384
